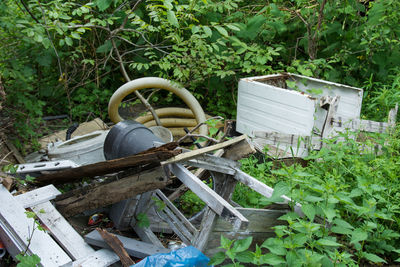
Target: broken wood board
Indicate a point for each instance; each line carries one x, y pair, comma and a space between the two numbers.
134, 247
6, 180
84, 128
260, 226
103, 194
16, 232
194, 153
116, 245
153, 155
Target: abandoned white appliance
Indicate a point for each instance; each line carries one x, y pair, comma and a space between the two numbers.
82, 150
290, 104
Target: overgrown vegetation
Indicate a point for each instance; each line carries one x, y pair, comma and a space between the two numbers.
349, 196
61, 57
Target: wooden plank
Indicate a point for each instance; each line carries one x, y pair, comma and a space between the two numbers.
92, 197
292, 140
100, 258
212, 199
38, 196
332, 107
342, 124
62, 231
117, 247
262, 188
13, 149
260, 228
260, 221
16, 229
134, 247
145, 233
195, 153
209, 166
152, 155
393, 116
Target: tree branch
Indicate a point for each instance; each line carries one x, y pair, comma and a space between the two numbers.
126, 76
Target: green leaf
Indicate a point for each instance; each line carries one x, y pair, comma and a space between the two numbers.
233, 27
342, 223
309, 211
75, 35
221, 30
27, 261
358, 235
172, 18
30, 214
271, 259
245, 256
372, 257
207, 31
292, 259
225, 242
68, 41
242, 244
280, 189
142, 220
327, 242
311, 198
341, 230
218, 258
104, 48
329, 213
275, 246
103, 4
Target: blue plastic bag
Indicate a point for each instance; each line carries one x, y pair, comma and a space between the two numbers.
184, 257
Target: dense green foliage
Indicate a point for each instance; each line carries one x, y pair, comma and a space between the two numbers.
61, 57
355, 196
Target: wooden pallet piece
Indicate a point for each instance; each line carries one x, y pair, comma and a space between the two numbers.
209, 196
175, 219
62, 231
16, 228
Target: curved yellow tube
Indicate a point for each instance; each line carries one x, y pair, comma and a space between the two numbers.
173, 122
167, 112
154, 82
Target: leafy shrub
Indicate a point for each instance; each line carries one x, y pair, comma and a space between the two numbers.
349, 196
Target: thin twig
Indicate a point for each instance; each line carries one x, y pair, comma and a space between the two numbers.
141, 98
197, 126
51, 39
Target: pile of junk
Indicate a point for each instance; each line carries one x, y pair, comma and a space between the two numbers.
107, 195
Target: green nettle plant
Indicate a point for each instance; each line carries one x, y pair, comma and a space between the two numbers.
349, 199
